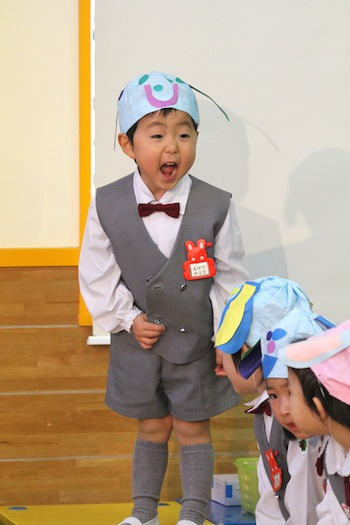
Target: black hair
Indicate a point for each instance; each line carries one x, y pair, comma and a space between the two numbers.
336, 409
165, 111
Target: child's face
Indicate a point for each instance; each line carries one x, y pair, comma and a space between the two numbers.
304, 422
278, 390
164, 147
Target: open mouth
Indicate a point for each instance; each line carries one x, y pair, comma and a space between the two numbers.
292, 427
168, 169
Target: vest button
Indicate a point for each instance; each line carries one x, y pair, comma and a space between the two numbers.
183, 329
158, 321
182, 287
149, 279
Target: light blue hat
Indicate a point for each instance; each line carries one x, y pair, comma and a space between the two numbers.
266, 314
297, 325
254, 307
151, 92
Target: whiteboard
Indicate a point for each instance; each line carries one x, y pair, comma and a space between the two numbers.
281, 71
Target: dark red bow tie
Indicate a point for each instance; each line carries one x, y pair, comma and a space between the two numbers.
173, 210
263, 408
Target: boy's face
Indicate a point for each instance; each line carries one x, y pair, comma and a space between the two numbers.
164, 148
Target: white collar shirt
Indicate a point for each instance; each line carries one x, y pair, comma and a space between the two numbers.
108, 300
158, 222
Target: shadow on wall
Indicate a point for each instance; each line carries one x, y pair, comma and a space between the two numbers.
223, 160
320, 191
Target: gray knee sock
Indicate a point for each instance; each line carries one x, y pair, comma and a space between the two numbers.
150, 462
197, 466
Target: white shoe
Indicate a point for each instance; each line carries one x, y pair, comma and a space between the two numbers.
135, 521
186, 522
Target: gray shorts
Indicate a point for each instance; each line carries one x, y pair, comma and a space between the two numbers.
143, 385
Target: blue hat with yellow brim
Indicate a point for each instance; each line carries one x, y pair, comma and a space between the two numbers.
253, 307
252, 310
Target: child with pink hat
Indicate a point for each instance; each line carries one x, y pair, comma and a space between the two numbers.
319, 383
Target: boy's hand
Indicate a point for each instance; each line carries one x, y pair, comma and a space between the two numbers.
219, 369
146, 334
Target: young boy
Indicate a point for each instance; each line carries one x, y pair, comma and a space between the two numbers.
262, 317
155, 273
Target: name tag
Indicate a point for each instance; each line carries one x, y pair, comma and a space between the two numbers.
275, 471
198, 264
199, 269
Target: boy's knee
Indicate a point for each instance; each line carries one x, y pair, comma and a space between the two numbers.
157, 430
192, 432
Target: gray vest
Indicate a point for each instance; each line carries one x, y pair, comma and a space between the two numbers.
340, 485
156, 282
278, 442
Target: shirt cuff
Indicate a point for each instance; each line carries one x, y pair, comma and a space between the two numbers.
129, 318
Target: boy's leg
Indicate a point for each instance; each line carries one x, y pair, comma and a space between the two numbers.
150, 461
149, 466
197, 466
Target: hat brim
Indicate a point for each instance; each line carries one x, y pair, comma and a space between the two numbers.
251, 361
318, 348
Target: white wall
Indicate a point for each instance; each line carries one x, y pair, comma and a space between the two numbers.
281, 70
39, 131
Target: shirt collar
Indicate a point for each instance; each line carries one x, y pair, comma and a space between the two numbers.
257, 401
178, 194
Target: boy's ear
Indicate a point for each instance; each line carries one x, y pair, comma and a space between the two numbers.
320, 409
126, 145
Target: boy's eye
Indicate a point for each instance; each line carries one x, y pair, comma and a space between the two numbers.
157, 136
184, 136
272, 396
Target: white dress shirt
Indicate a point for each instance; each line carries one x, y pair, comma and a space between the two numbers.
110, 303
304, 489
337, 461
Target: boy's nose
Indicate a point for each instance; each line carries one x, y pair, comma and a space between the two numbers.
171, 145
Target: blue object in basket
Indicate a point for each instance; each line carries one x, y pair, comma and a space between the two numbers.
219, 514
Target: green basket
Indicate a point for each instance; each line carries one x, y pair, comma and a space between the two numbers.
248, 482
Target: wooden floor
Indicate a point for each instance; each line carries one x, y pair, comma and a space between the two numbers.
59, 443
88, 514
113, 513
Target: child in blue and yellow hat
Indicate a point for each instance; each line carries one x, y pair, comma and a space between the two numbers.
260, 318
160, 253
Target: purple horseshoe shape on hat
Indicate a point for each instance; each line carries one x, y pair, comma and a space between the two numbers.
161, 103
155, 102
